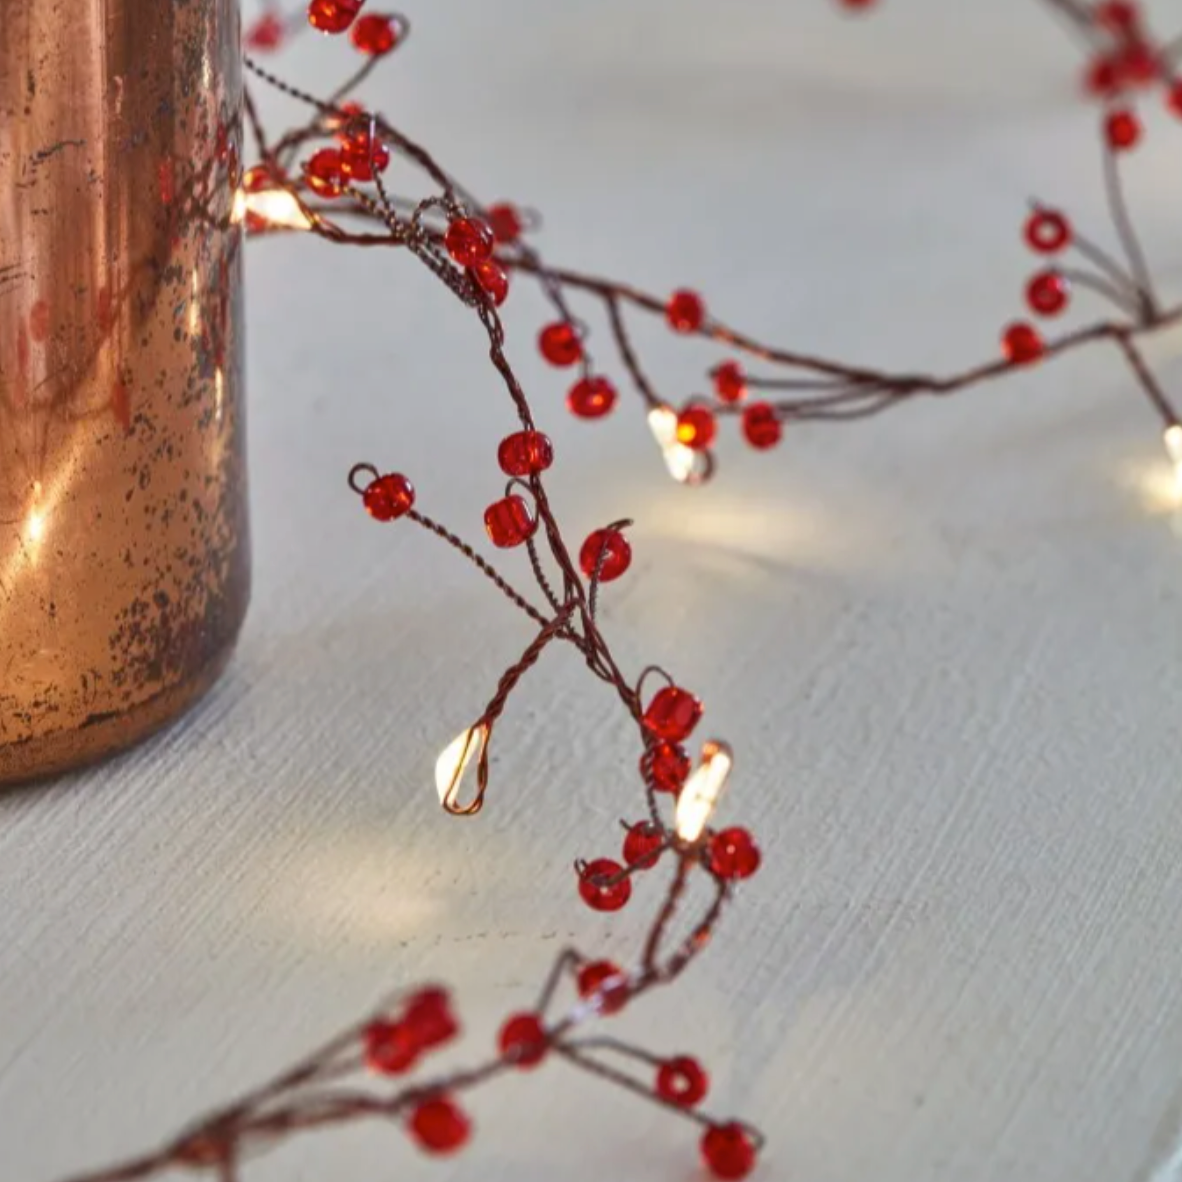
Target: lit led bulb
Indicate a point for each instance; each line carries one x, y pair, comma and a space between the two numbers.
681, 461
451, 765
278, 207
1172, 438
697, 800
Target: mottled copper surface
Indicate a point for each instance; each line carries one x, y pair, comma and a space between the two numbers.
124, 558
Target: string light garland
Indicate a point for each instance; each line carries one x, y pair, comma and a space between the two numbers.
326, 177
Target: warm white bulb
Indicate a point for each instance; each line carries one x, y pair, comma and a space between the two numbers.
453, 762
1172, 438
276, 206
697, 800
679, 459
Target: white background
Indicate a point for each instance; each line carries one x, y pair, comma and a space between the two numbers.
944, 643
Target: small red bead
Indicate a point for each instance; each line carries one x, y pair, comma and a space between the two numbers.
1047, 292
560, 344
505, 222
1122, 130
389, 497
856, 5
523, 1038
591, 398
728, 1151
733, 853
1101, 77
669, 766
696, 427
1118, 16
361, 157
525, 453
332, 16
672, 714
390, 1047
730, 383
323, 172
1047, 231
494, 279
761, 425
601, 895
265, 34
1174, 98
439, 1126
642, 845
468, 240
429, 1016
375, 34
606, 551
1021, 344
1139, 63
509, 522
605, 980
685, 311
683, 1081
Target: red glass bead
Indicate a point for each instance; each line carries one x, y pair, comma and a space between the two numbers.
1122, 130
1021, 344
523, 1038
1047, 292
560, 344
1047, 231
761, 425
728, 1151
591, 398
1118, 16
390, 1047
696, 427
494, 279
509, 522
361, 157
525, 453
685, 311
733, 853
606, 551
605, 980
730, 383
375, 34
669, 766
389, 497
602, 895
642, 845
332, 16
1174, 98
672, 714
429, 1017
265, 34
505, 222
1101, 77
682, 1081
439, 1126
468, 240
323, 172
1139, 63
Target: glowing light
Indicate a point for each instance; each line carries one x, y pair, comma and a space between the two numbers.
35, 525
681, 461
1172, 438
451, 765
219, 393
698, 798
277, 207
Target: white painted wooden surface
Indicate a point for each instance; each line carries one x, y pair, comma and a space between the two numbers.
945, 644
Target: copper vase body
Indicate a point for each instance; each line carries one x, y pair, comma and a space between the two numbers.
124, 560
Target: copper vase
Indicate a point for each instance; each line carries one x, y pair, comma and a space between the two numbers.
124, 559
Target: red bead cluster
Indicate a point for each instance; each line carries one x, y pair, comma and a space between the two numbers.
1127, 59
395, 1045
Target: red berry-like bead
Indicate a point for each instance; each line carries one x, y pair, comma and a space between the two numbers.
1174, 98
685, 311
523, 1039
682, 1081
375, 34
1101, 77
525, 453
672, 714
733, 853
390, 1047
439, 1126
1047, 231
1122, 130
1021, 344
505, 222
605, 980
730, 383
265, 34
468, 240
560, 344
429, 1017
323, 172
761, 425
669, 766
509, 522
597, 889
642, 845
494, 279
591, 398
388, 497
1118, 16
332, 16
696, 427
361, 157
606, 551
728, 1151
1139, 63
1047, 292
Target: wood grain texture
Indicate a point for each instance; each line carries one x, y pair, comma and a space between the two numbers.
945, 645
